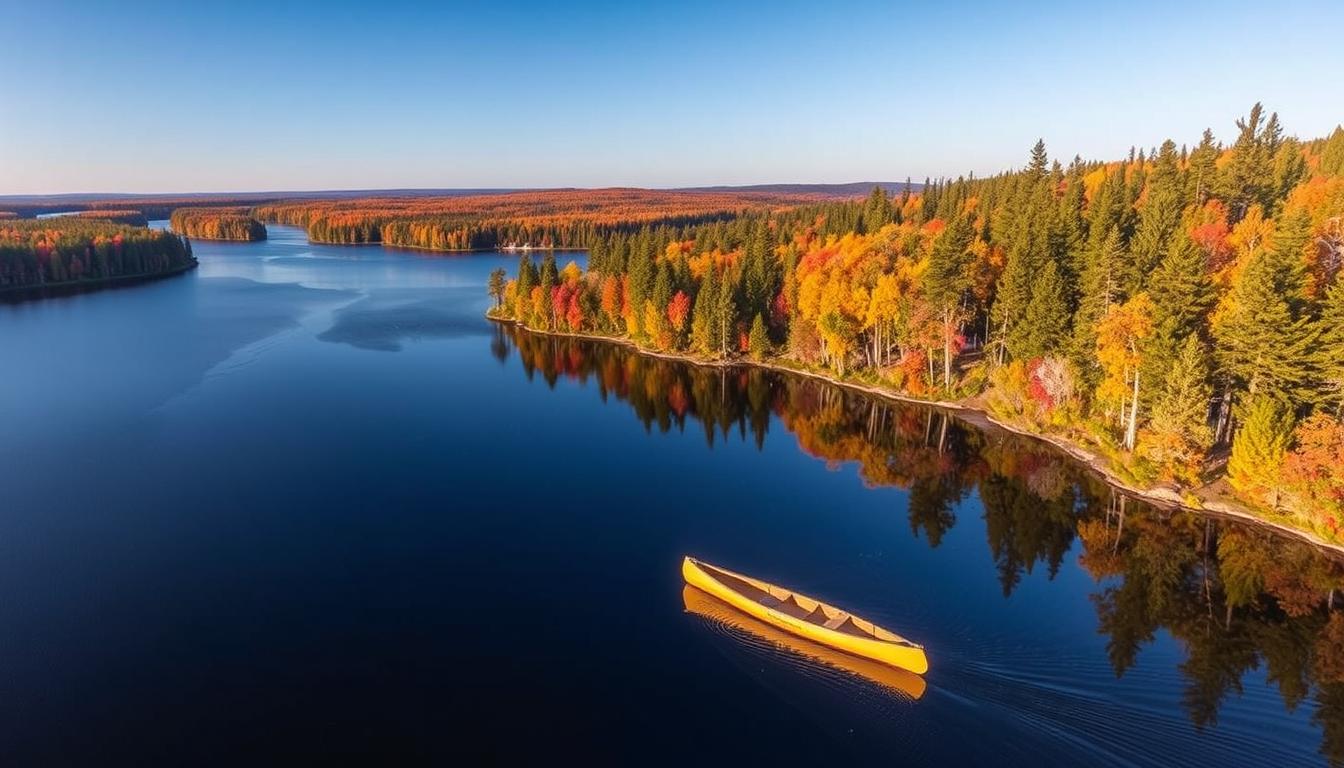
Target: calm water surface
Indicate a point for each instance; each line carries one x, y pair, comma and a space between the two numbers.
306, 502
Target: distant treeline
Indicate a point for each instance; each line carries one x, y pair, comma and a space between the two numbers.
73, 250
217, 224
116, 216
566, 218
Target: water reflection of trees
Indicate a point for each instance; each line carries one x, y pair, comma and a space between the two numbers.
1235, 597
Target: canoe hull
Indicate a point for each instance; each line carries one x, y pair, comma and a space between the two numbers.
907, 657
893, 679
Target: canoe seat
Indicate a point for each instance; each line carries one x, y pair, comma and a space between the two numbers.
840, 618
787, 606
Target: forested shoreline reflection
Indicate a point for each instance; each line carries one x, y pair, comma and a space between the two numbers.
1237, 598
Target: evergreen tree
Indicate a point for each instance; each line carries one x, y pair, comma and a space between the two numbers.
1182, 297
527, 279
1203, 169
758, 341
496, 285
702, 316
946, 281
725, 315
876, 211
1332, 154
1179, 418
1261, 346
1159, 220
1246, 178
1330, 352
1045, 322
1259, 447
1101, 281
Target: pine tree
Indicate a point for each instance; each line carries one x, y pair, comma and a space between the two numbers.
1159, 220
1182, 296
759, 341
702, 316
1261, 346
1332, 154
1178, 426
725, 315
1045, 323
1258, 449
496, 285
1330, 351
946, 281
1246, 178
1203, 169
1101, 281
527, 278
876, 211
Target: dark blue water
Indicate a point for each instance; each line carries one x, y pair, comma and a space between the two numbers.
306, 503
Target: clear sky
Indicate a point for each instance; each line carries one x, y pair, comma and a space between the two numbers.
235, 96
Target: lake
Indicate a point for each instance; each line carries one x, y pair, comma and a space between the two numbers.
304, 502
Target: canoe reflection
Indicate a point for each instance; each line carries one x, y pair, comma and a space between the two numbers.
899, 681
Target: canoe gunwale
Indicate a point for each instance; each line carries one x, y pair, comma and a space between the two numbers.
871, 644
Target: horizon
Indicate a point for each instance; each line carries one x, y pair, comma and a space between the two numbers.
600, 95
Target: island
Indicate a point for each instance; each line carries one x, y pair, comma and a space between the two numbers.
39, 256
226, 223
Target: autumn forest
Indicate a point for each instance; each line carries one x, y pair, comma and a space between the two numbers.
1177, 313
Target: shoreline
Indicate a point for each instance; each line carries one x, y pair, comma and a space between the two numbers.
971, 413
420, 248
19, 293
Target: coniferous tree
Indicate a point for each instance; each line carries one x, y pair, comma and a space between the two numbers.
1182, 295
1101, 281
1332, 154
1261, 345
1179, 421
1159, 220
725, 315
1330, 352
1203, 169
1045, 322
1246, 178
1259, 448
702, 317
946, 281
759, 341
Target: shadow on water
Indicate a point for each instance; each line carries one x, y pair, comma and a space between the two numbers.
1236, 598
385, 319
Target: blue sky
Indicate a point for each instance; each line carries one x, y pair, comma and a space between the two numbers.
147, 97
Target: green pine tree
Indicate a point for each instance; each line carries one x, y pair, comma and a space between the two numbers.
1159, 219
1045, 323
1261, 347
1179, 417
1332, 154
758, 341
1259, 447
1330, 351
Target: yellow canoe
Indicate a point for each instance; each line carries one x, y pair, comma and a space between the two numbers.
806, 617
905, 683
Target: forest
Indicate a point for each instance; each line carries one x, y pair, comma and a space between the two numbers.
1238, 598
115, 215
1179, 312
72, 250
562, 218
232, 223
